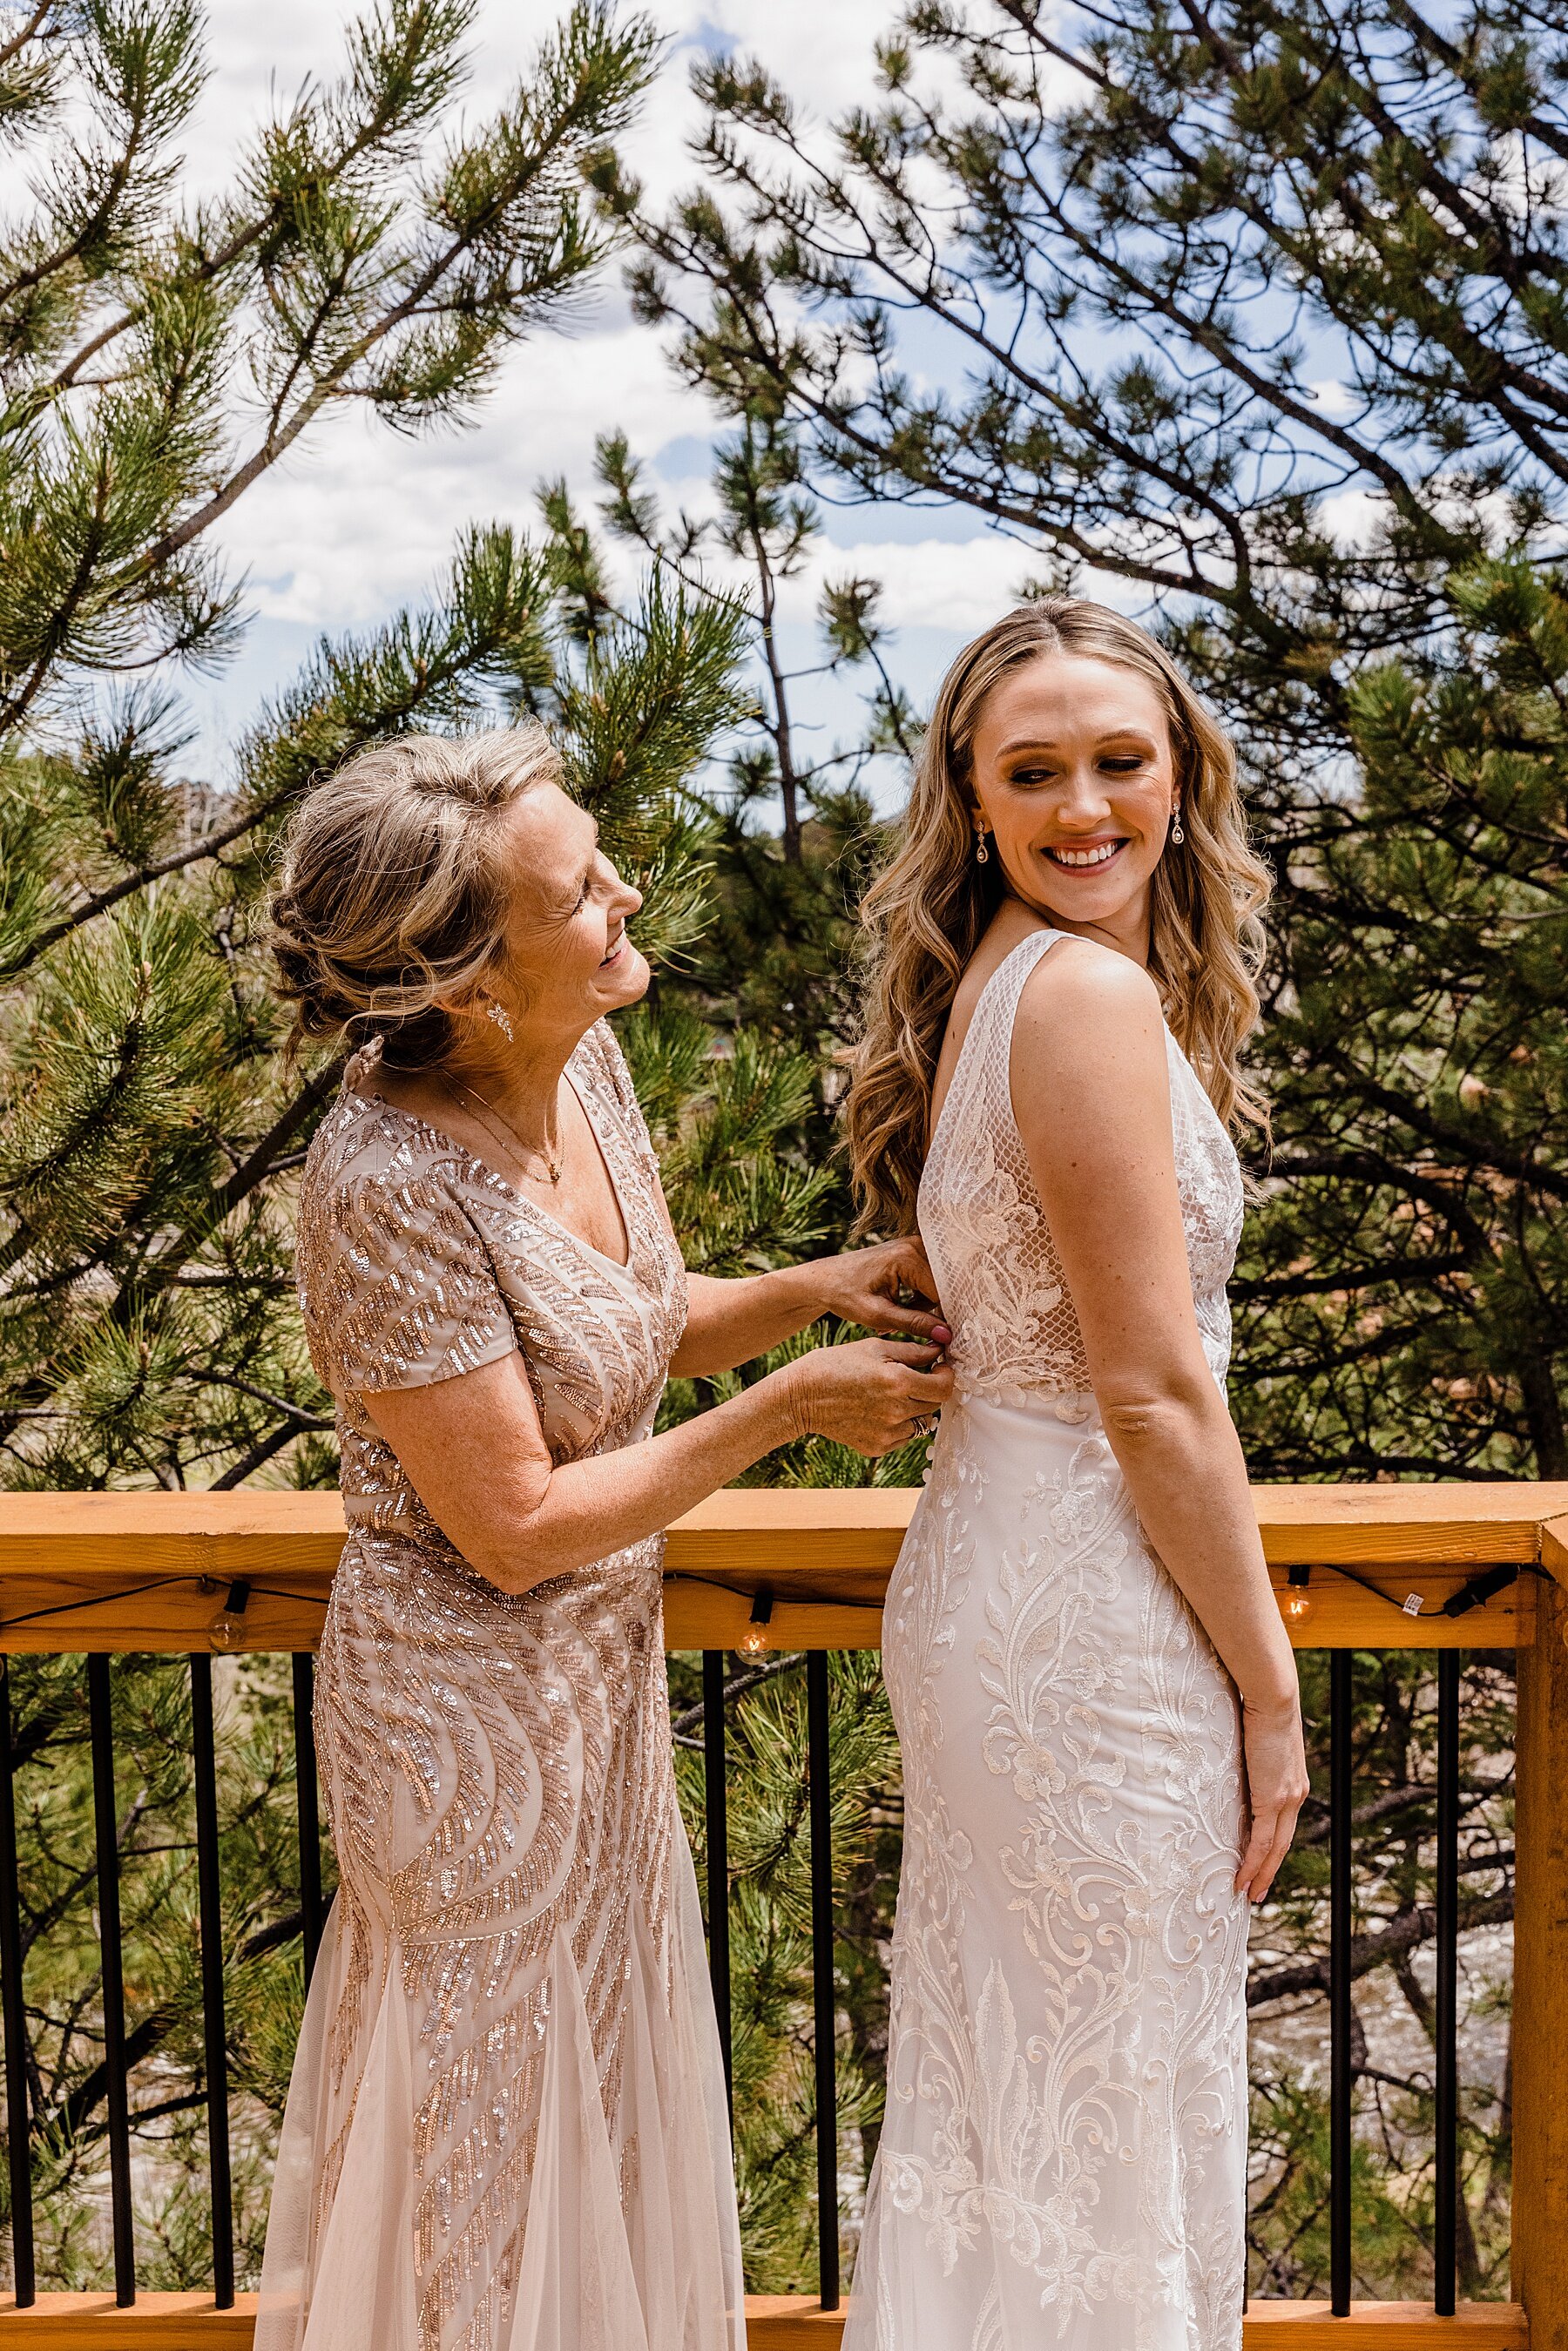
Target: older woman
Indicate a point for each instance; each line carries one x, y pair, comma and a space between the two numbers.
506, 2130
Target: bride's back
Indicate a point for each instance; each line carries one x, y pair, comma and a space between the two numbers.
998, 1272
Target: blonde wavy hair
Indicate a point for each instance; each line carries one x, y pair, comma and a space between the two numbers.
928, 909
395, 886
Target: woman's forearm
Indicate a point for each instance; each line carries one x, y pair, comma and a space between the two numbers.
591, 1507
1185, 1469
732, 1322
476, 1454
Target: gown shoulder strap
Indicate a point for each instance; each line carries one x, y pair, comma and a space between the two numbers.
999, 1004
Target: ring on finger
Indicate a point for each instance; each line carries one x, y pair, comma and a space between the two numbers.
924, 1424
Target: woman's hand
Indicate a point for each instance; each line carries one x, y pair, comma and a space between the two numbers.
730, 1322
874, 1394
1277, 1786
863, 1285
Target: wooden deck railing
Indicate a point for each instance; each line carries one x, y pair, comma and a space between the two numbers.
1384, 1567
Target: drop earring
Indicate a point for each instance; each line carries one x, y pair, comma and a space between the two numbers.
497, 1013
1177, 835
982, 854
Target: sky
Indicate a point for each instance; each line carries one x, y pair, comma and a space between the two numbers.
359, 520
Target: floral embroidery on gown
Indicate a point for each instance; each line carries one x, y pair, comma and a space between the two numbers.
506, 2128
1063, 2158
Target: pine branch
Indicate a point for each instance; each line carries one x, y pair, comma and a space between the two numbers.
260, 1454
102, 900
1408, 1932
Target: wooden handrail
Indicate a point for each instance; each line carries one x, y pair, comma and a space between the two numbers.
149, 1571
188, 2322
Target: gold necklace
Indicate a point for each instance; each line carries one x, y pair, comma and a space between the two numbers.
488, 1114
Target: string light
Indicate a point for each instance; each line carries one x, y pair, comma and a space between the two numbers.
754, 1641
227, 1629
1297, 1604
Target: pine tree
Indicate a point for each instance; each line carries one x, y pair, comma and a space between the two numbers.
1132, 243
1261, 309
777, 954
158, 359
1406, 1303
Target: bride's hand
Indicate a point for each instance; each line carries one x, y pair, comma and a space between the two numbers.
863, 1287
1277, 1786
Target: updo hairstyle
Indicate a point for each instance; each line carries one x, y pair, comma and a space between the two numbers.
394, 891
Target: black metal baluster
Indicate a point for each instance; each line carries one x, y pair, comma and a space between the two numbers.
1340, 1766
307, 1806
12, 2011
823, 1996
106, 1826
716, 1792
1447, 2006
204, 1757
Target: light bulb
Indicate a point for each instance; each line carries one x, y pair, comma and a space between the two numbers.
754, 1642
1297, 1605
227, 1631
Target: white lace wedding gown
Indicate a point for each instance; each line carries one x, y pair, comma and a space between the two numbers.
1063, 2160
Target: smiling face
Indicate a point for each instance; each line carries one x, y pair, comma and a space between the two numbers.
1074, 783
567, 958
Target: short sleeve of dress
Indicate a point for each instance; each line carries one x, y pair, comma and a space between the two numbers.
396, 1286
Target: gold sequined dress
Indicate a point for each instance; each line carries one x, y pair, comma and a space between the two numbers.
506, 2127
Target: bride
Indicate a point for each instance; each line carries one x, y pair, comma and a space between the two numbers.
1097, 1703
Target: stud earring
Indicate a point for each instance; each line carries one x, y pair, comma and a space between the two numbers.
982, 854
497, 1013
1177, 835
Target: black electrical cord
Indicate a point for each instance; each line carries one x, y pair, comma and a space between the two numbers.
100, 1599
1473, 1593
1352, 1575
135, 1591
790, 1599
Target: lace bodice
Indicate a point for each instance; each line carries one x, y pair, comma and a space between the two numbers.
997, 1274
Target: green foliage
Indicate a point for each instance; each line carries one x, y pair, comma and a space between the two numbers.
770, 1932
779, 955
1132, 246
1405, 1300
152, 1714
722, 1123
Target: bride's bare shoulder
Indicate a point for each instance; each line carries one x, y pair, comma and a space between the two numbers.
1082, 976
1087, 1015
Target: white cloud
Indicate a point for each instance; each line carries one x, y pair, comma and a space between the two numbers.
930, 583
1353, 518
1335, 399
358, 520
